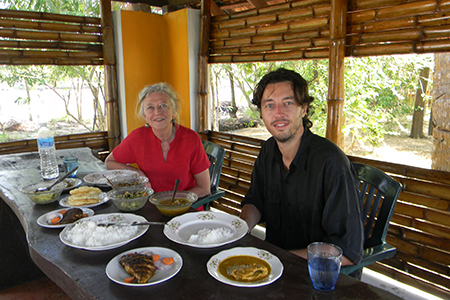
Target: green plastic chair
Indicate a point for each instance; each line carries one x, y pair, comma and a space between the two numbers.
378, 194
216, 155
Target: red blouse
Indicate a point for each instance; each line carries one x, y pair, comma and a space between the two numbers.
186, 157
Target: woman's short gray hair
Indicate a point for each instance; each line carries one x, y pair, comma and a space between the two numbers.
159, 87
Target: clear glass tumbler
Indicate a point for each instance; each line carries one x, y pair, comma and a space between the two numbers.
324, 265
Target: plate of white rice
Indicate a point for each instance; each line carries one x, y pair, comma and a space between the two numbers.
205, 229
88, 235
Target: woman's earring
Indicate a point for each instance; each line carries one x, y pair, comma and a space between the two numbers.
173, 121
146, 125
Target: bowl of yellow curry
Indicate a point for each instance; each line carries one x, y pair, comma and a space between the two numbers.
181, 203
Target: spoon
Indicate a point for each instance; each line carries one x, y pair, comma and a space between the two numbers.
110, 182
47, 188
177, 183
130, 224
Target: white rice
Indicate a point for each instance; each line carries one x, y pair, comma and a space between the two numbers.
88, 234
207, 236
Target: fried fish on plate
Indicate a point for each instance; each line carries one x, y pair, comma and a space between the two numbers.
248, 272
138, 265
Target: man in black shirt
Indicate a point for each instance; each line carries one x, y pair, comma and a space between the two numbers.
303, 185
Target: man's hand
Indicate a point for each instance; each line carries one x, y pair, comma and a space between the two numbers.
251, 215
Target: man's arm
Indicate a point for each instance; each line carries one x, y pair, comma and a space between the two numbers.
251, 215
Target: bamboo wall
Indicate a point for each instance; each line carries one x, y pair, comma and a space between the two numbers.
49, 39
419, 229
97, 141
301, 30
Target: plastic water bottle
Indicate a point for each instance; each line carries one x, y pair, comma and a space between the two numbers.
46, 147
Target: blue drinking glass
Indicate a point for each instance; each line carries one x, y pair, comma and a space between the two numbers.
70, 163
324, 265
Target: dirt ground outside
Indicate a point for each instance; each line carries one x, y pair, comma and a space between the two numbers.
399, 149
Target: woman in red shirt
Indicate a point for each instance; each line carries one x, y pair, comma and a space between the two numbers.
162, 149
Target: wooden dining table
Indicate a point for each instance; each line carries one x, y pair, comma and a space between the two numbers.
82, 273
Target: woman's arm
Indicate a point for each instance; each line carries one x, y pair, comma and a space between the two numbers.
203, 184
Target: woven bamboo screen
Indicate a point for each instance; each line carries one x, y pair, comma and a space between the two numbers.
300, 30
419, 228
43, 38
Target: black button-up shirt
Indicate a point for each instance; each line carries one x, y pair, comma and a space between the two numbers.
315, 200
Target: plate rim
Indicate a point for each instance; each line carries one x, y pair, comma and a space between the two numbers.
109, 247
140, 250
103, 197
103, 172
215, 274
78, 180
180, 220
42, 217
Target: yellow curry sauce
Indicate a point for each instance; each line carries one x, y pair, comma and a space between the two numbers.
244, 268
176, 201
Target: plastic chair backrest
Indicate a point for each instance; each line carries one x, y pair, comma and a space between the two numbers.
216, 155
378, 193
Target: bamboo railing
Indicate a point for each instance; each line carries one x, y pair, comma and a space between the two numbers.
45, 38
97, 141
301, 30
419, 229
34, 38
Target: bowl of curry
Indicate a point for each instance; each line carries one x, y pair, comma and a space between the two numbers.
181, 203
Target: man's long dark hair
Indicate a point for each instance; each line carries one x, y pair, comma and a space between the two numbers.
299, 84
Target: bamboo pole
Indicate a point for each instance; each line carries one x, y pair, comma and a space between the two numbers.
112, 107
203, 66
336, 86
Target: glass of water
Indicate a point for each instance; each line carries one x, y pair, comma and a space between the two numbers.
324, 265
70, 163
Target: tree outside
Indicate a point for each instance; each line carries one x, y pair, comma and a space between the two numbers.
387, 97
381, 103
68, 99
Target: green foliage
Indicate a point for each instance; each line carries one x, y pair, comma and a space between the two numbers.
251, 114
67, 7
57, 77
379, 91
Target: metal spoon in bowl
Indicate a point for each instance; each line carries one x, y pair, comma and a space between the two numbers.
177, 183
112, 185
48, 188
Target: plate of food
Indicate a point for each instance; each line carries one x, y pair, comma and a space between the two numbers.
98, 178
245, 267
205, 229
156, 265
71, 183
103, 232
62, 217
85, 196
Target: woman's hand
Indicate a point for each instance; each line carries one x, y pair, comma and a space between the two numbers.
112, 164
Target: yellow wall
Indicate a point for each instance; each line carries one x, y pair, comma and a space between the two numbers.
155, 49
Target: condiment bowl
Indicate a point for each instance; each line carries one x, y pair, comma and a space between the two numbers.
124, 182
182, 203
132, 199
43, 197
